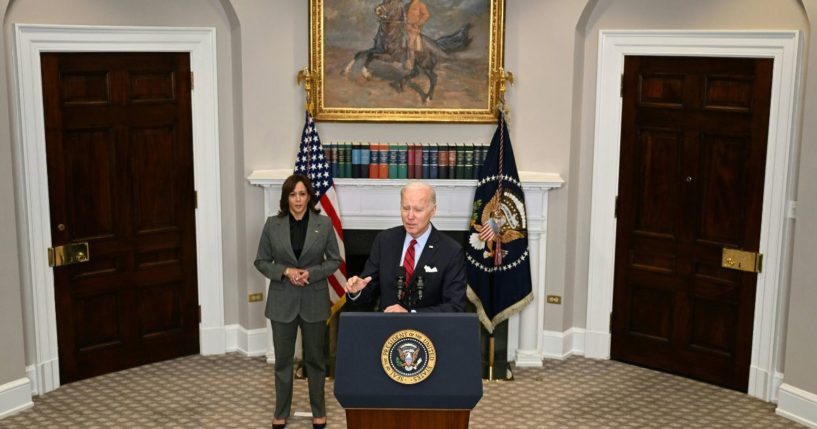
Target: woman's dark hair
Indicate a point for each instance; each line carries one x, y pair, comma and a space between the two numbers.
289, 186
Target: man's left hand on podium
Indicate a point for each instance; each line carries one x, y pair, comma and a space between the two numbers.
395, 308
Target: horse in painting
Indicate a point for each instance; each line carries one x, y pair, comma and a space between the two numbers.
390, 45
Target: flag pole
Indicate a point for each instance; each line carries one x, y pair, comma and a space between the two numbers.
491, 357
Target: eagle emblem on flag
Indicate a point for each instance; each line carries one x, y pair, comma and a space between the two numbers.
501, 220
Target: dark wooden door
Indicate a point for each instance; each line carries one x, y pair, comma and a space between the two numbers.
693, 153
120, 177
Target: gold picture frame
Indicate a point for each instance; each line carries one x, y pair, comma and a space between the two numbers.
461, 46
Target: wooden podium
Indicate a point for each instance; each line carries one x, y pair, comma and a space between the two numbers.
374, 396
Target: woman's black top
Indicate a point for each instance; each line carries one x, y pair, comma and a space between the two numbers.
297, 233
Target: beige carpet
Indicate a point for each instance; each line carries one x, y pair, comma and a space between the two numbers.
233, 391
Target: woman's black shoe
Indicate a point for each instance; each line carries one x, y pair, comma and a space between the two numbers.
318, 425
279, 426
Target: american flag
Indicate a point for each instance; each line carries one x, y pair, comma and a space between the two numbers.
312, 163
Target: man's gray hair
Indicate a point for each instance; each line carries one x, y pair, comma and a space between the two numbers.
418, 184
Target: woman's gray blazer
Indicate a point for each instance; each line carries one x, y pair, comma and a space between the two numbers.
320, 256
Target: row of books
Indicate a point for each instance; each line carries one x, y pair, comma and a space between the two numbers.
405, 161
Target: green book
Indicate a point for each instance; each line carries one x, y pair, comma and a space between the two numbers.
402, 161
469, 162
460, 168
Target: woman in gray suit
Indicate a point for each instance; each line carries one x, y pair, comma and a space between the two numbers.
297, 252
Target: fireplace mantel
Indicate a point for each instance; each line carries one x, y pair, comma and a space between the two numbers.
374, 204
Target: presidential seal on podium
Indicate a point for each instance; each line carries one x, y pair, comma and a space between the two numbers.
408, 356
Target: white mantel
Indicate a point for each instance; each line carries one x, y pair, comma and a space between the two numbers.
373, 204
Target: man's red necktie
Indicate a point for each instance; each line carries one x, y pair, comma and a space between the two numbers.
408, 261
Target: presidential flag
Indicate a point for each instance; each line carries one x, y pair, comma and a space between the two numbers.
312, 163
498, 261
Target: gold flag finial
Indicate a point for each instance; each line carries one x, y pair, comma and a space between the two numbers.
306, 78
503, 77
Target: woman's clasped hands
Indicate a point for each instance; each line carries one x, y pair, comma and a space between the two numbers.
297, 276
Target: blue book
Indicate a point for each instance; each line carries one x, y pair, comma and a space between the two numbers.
335, 164
433, 161
364, 161
355, 160
346, 167
426, 162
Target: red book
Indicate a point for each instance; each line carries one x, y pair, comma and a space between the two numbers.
383, 165
412, 161
418, 161
452, 161
443, 162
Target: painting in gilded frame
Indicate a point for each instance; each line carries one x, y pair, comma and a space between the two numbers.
371, 60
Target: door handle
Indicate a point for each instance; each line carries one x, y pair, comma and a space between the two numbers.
742, 260
68, 254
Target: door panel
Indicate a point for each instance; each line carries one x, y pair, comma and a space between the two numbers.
693, 148
120, 168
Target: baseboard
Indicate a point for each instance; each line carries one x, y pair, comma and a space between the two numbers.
797, 405
528, 359
212, 341
777, 383
252, 342
561, 345
31, 374
15, 396
597, 345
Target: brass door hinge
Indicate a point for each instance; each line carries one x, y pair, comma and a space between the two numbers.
199, 314
621, 87
192, 81
195, 199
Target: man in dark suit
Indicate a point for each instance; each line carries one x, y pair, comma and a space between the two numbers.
414, 253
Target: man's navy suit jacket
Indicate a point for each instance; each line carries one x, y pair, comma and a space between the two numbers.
441, 265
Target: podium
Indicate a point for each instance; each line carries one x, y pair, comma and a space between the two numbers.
408, 370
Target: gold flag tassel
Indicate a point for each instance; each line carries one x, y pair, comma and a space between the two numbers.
503, 77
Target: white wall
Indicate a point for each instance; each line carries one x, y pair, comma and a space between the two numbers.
12, 357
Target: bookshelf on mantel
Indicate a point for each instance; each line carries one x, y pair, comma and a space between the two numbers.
373, 204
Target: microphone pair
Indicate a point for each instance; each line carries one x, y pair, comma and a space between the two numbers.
402, 286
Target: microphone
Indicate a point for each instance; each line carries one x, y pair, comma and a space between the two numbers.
401, 282
420, 287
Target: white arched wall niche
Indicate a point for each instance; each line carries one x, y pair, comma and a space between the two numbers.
784, 47
30, 41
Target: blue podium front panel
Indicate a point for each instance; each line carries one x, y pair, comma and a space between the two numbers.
454, 382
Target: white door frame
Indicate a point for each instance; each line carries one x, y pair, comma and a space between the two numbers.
782, 46
32, 183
